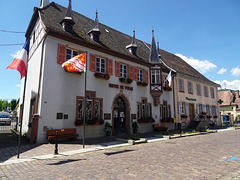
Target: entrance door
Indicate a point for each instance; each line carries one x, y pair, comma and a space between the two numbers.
119, 116
191, 112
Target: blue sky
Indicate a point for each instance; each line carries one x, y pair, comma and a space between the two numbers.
204, 33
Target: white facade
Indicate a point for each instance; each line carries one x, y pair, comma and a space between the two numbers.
54, 90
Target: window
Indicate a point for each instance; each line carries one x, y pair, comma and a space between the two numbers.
80, 109
89, 106
93, 107
165, 110
200, 108
181, 85
165, 82
156, 76
140, 75
161, 111
100, 65
205, 91
190, 87
123, 70
181, 107
207, 110
144, 109
71, 53
199, 93
212, 92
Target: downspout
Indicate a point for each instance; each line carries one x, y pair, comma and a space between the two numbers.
40, 74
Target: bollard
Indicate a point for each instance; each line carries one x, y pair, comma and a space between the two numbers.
56, 144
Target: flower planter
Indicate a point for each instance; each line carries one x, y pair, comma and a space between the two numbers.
133, 142
144, 84
184, 116
167, 88
102, 76
125, 80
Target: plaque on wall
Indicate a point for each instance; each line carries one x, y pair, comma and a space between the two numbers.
107, 116
133, 116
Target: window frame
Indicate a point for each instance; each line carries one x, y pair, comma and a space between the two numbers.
181, 85
156, 73
212, 92
198, 88
101, 65
122, 69
93, 111
181, 107
140, 75
190, 87
205, 91
72, 54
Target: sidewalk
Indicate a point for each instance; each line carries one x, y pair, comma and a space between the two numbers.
45, 151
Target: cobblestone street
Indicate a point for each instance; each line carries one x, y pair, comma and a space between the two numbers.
211, 156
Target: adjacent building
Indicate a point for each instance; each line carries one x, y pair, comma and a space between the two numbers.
229, 106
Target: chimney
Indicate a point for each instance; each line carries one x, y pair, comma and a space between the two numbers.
44, 3
237, 94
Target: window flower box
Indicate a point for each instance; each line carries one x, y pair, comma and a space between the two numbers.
184, 116
139, 83
102, 76
208, 116
125, 80
146, 120
204, 113
167, 88
214, 117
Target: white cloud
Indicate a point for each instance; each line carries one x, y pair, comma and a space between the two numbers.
202, 66
18, 85
234, 85
222, 70
15, 54
235, 71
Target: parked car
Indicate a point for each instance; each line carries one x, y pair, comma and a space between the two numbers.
5, 119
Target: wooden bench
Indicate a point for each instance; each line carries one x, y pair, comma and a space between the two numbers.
159, 127
62, 134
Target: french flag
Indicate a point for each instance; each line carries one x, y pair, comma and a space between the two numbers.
20, 62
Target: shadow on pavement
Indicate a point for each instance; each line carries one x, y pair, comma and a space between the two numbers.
118, 152
65, 161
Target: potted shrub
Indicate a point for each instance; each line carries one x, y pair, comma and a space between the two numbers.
183, 116
108, 128
135, 127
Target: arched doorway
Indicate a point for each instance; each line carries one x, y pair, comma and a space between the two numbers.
120, 115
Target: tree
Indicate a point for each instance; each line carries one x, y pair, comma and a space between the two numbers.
4, 104
13, 104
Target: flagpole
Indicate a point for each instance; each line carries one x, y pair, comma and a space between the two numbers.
85, 104
21, 117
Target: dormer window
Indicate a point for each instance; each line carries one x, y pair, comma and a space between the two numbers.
95, 32
132, 48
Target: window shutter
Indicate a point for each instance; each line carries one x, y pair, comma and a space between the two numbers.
135, 74
131, 72
197, 108
61, 54
179, 108
146, 76
187, 108
110, 66
117, 68
92, 62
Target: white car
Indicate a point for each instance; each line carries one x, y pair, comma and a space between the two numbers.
5, 119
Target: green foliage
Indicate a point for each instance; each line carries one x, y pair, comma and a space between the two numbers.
134, 137
13, 104
3, 105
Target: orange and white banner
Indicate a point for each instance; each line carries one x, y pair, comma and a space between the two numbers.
76, 64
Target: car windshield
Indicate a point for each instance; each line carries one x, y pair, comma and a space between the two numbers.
4, 116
